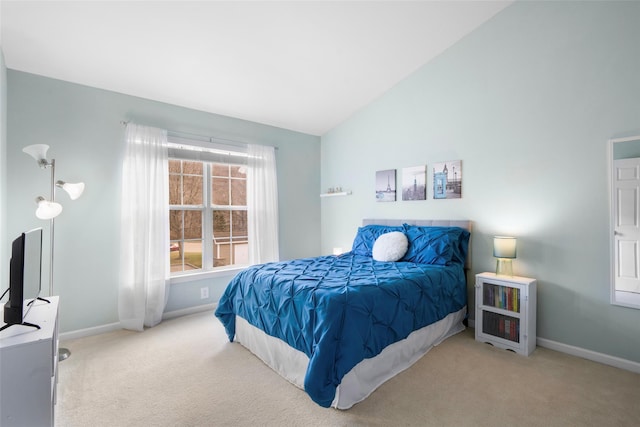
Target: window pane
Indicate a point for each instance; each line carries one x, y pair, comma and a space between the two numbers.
192, 190
220, 189
193, 225
241, 253
218, 169
220, 256
185, 255
239, 224
238, 192
174, 190
221, 232
175, 256
239, 171
193, 255
175, 224
192, 168
174, 166
221, 225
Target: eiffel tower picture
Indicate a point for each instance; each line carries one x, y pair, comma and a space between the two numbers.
386, 185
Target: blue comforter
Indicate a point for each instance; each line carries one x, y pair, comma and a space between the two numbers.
339, 310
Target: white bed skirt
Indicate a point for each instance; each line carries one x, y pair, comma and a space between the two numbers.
367, 375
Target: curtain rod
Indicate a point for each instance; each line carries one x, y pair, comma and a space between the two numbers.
205, 138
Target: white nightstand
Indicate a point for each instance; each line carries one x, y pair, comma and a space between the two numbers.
506, 312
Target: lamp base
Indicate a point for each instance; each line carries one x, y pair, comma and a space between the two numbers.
63, 354
504, 267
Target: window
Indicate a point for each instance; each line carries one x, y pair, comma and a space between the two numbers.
208, 210
229, 194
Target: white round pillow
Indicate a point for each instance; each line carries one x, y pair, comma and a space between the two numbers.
390, 246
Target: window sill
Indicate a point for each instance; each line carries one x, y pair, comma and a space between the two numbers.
626, 299
212, 274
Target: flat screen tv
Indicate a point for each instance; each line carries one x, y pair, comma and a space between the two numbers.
25, 274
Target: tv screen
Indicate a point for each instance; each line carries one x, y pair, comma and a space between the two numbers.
32, 267
25, 272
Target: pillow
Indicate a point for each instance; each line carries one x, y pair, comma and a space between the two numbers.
367, 235
390, 246
461, 249
436, 245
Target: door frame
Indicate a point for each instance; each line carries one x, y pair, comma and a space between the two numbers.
625, 299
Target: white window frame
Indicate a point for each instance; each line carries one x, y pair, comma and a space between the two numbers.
207, 153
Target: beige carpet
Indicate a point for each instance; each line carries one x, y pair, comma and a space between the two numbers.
184, 372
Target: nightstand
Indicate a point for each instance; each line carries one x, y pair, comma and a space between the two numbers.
506, 312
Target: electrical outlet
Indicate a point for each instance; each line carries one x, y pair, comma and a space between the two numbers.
204, 293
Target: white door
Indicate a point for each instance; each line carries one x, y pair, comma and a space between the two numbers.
626, 214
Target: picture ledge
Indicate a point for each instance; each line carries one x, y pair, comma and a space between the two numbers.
340, 193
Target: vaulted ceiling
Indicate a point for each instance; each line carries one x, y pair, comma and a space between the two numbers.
301, 65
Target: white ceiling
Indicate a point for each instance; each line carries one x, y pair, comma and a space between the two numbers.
300, 65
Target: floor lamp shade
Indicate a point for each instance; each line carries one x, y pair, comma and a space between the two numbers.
73, 190
47, 209
504, 249
38, 152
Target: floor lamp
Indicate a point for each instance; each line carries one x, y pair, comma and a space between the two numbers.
49, 209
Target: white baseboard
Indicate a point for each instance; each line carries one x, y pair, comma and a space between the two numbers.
96, 330
590, 355
583, 353
103, 329
190, 310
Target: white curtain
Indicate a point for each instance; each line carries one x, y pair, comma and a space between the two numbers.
262, 204
144, 255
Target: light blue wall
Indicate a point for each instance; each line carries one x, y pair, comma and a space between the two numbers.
4, 245
82, 127
527, 102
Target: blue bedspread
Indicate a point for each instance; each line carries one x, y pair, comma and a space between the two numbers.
339, 310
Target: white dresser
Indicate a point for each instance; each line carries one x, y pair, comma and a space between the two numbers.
29, 368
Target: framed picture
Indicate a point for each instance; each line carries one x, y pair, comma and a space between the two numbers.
386, 185
414, 183
447, 180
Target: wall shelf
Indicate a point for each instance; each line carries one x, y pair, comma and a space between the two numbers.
341, 193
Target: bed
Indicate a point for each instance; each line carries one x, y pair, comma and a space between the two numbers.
339, 326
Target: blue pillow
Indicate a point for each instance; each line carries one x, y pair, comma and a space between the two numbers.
367, 235
436, 245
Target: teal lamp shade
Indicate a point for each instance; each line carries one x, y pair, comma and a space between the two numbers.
504, 249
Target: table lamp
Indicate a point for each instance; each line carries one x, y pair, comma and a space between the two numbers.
504, 249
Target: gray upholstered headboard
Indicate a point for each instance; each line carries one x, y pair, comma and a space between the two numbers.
427, 222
